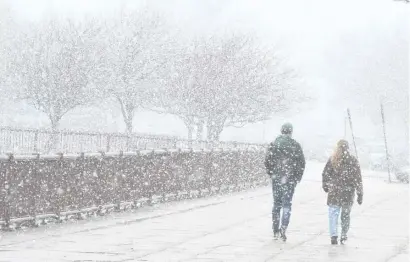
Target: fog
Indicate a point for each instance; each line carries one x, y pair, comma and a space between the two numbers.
347, 54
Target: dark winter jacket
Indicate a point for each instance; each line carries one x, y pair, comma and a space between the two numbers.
285, 160
342, 181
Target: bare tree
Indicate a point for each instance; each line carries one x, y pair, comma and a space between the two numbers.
225, 81
135, 47
181, 93
249, 86
54, 66
5, 26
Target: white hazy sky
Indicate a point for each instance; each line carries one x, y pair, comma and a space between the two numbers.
331, 43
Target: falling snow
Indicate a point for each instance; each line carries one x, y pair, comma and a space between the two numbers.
204, 130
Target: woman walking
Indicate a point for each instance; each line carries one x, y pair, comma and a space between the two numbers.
341, 178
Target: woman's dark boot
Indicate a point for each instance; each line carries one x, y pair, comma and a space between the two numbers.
333, 241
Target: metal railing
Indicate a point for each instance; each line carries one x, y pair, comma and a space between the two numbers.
45, 188
26, 141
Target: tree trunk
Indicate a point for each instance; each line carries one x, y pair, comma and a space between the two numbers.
128, 125
53, 142
128, 129
200, 130
217, 135
209, 131
189, 123
190, 132
127, 110
218, 130
214, 129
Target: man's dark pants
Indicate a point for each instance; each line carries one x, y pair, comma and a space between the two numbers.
282, 200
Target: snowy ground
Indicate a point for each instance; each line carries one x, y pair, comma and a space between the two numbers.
227, 228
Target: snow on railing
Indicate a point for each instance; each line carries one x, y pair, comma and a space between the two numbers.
26, 141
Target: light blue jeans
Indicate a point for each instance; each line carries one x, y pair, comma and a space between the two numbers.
334, 212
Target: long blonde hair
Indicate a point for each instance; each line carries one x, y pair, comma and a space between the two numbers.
341, 150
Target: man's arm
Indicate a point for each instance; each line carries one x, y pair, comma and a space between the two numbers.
270, 159
300, 163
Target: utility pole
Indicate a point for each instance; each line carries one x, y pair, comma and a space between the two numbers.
385, 141
351, 129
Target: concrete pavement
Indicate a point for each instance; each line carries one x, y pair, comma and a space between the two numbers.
227, 228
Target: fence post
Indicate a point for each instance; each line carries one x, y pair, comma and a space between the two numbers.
210, 170
81, 143
82, 168
35, 187
127, 143
385, 141
100, 185
136, 181
108, 143
236, 177
59, 172
7, 194
151, 178
36, 141
162, 175
187, 171
117, 181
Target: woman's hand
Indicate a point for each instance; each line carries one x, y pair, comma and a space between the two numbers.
359, 199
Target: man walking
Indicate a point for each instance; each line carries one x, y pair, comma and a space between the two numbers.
285, 164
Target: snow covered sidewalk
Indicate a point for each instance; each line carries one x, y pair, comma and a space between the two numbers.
227, 228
